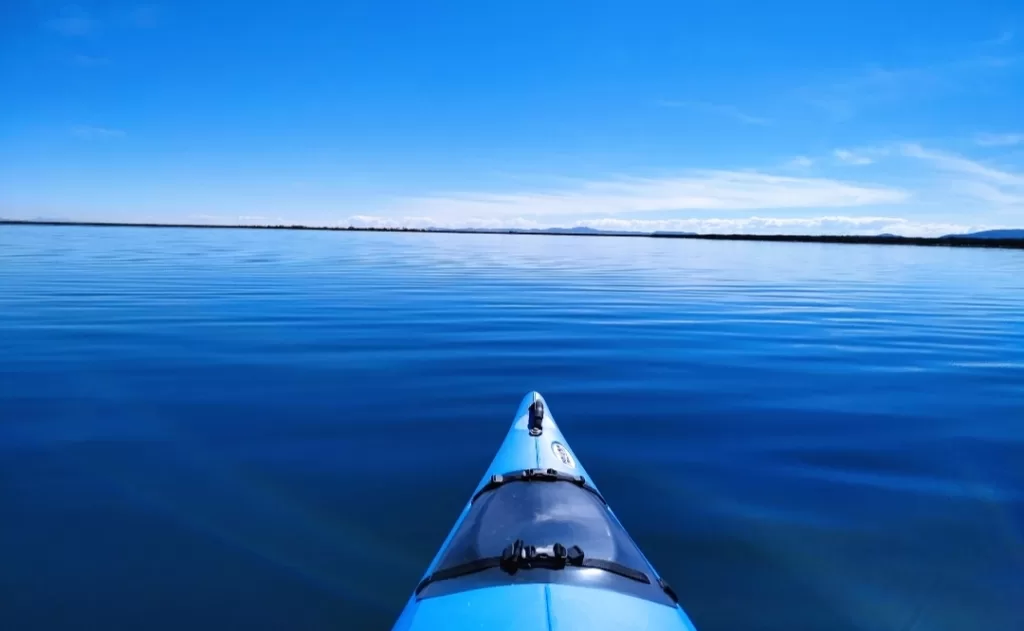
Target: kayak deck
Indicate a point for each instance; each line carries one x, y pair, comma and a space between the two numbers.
537, 547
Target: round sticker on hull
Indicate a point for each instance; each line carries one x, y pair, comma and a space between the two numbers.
563, 455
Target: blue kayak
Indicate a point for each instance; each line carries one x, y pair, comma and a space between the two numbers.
537, 547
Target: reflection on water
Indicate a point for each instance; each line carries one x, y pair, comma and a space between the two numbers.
277, 429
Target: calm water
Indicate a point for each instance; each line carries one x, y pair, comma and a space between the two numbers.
268, 430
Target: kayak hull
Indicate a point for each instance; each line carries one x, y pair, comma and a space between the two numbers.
571, 598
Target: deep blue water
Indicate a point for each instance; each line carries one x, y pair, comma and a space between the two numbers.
269, 430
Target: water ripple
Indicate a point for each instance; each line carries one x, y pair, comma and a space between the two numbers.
829, 434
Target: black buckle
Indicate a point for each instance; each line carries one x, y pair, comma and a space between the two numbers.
553, 557
574, 556
535, 475
510, 557
519, 555
540, 474
536, 418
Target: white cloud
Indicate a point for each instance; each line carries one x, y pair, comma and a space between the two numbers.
373, 221
92, 132
727, 110
800, 162
998, 140
848, 157
696, 190
831, 225
201, 217
261, 219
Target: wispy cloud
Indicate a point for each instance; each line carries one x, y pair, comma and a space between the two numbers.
960, 193
1002, 39
89, 61
73, 22
695, 190
998, 140
843, 99
878, 85
145, 16
92, 132
848, 157
730, 111
997, 189
958, 164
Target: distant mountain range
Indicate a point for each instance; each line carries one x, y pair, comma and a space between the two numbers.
991, 234
985, 234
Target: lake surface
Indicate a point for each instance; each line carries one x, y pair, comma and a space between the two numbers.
270, 430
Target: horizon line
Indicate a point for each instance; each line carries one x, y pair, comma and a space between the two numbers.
882, 239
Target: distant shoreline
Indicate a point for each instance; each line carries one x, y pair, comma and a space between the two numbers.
963, 242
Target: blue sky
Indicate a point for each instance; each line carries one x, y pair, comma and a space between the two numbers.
822, 117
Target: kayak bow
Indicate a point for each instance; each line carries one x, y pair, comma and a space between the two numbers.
537, 547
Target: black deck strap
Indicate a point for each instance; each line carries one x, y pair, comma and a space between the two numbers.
520, 556
665, 587
616, 568
536, 475
456, 571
